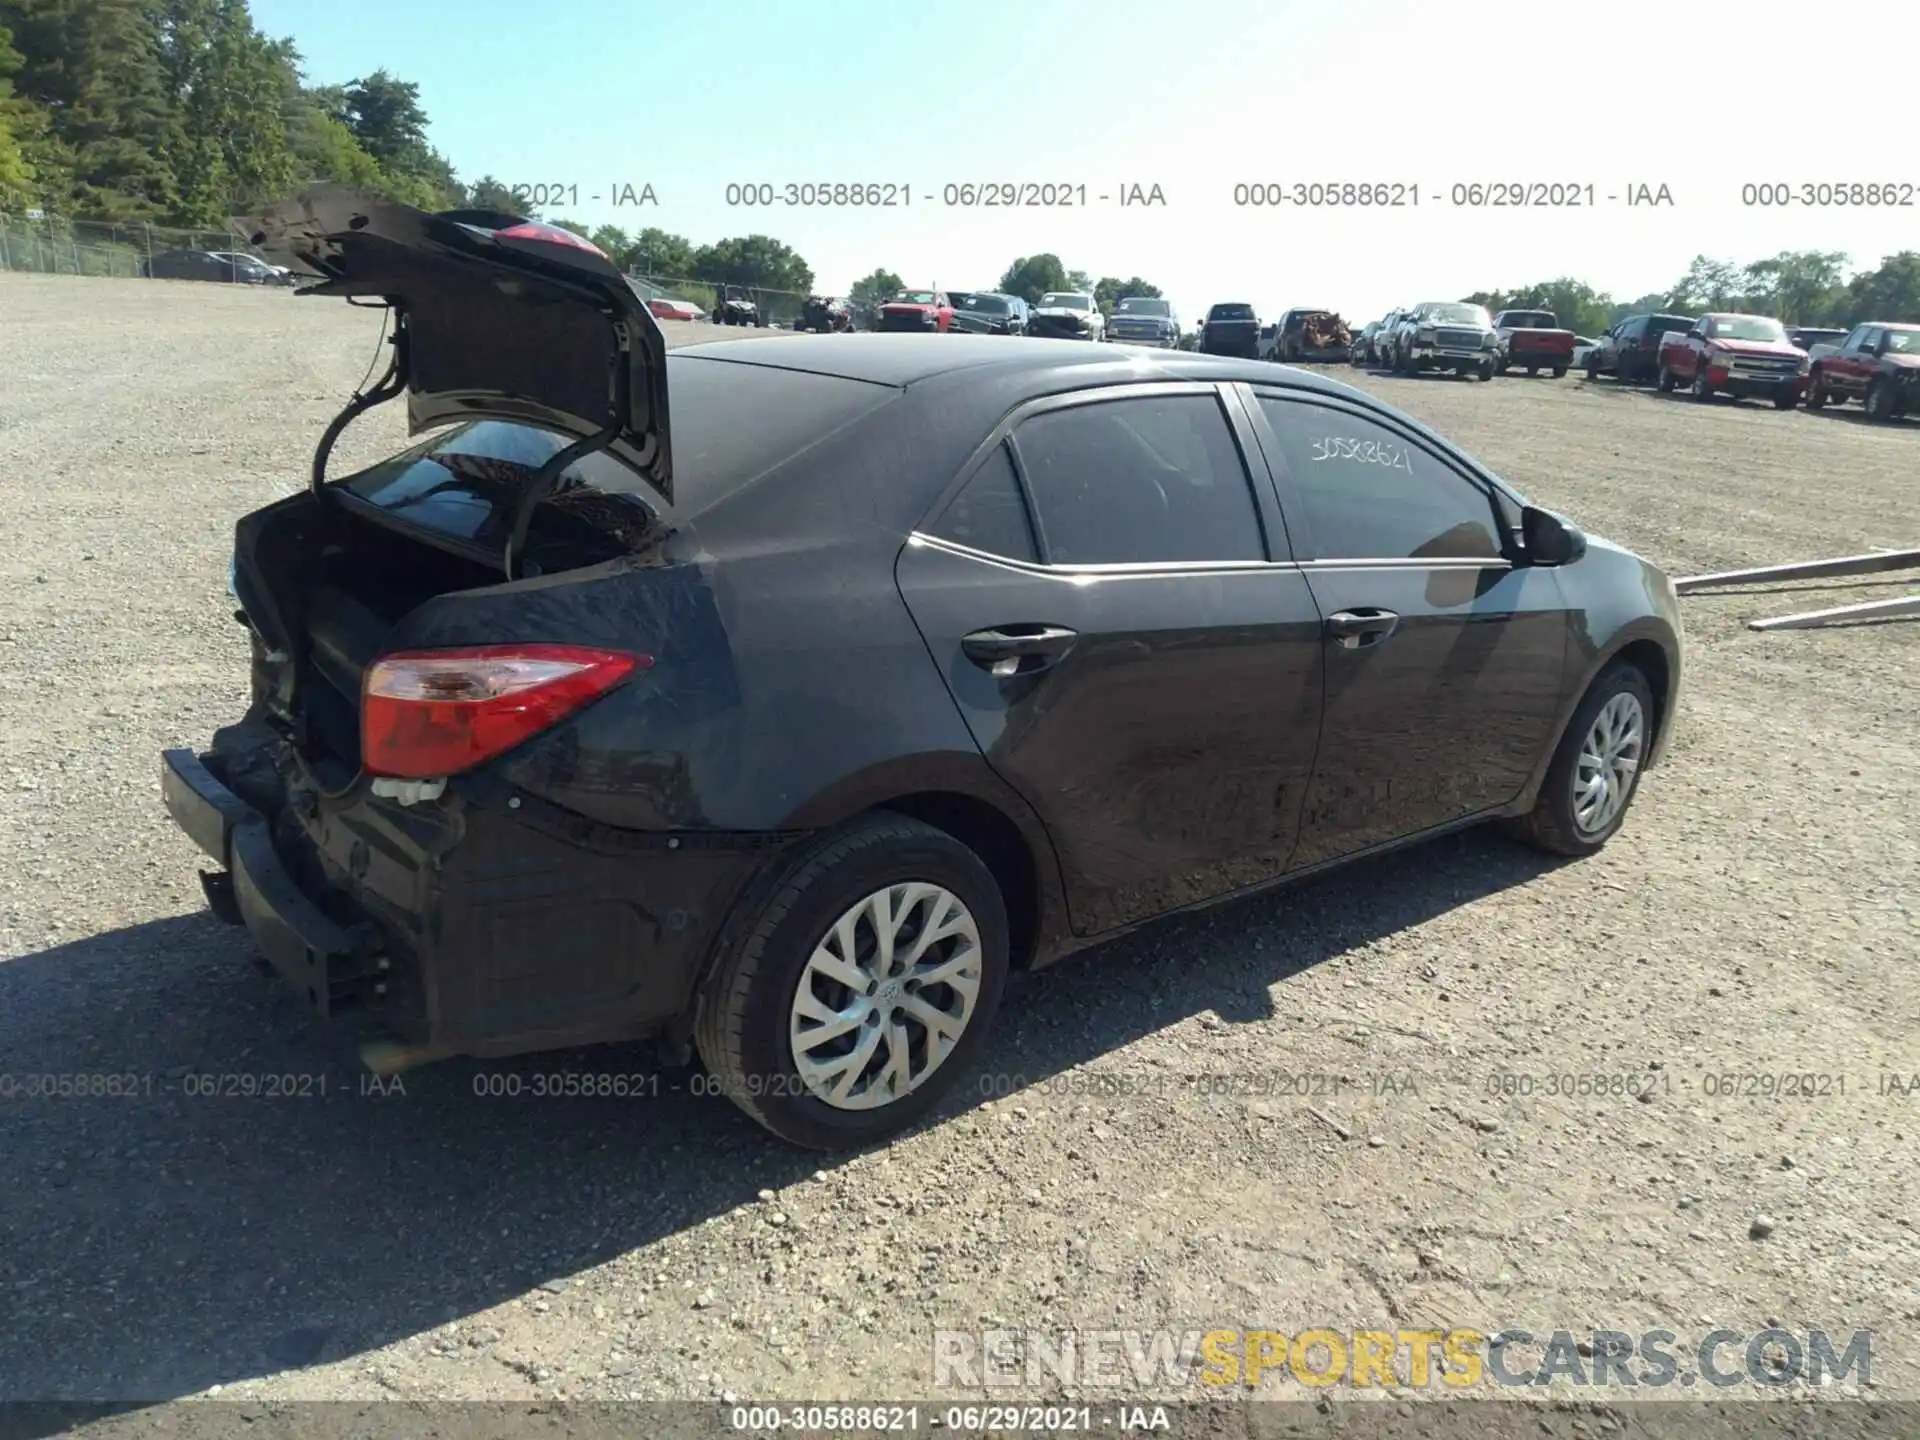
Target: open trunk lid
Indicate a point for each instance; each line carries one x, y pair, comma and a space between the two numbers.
496, 317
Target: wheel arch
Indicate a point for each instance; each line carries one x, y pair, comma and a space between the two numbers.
1652, 648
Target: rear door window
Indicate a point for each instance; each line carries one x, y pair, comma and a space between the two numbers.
1153, 479
1371, 493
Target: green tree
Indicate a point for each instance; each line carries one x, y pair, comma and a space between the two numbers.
659, 252
1800, 287
1889, 292
487, 193
16, 116
1032, 276
756, 260
91, 67
385, 116
869, 293
1110, 291
228, 143
1709, 284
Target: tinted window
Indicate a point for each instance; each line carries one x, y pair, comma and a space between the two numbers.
1370, 494
1660, 324
990, 514
1152, 479
1230, 312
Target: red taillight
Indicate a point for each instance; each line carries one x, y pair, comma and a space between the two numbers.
426, 713
552, 235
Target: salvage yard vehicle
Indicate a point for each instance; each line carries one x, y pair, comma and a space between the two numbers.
1314, 337
1630, 351
824, 315
1144, 320
550, 740
1067, 315
1448, 335
1736, 355
1266, 345
1231, 328
1877, 364
1361, 352
986, 312
1533, 340
222, 267
917, 312
1585, 347
735, 305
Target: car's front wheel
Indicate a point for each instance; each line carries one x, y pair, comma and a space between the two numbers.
860, 987
1879, 401
1596, 768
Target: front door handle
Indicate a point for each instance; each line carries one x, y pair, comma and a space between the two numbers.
1017, 649
1357, 628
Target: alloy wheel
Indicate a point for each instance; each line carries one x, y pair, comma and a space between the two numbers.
886, 996
1609, 759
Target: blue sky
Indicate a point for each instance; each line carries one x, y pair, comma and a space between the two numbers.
1192, 95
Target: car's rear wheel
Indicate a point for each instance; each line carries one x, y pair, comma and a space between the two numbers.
1596, 768
1559, 372
860, 987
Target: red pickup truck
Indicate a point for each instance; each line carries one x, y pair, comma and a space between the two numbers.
1534, 340
917, 310
1735, 355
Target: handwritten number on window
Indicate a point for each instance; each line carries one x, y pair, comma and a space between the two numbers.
1367, 452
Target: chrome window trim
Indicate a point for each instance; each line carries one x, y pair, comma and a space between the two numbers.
1191, 568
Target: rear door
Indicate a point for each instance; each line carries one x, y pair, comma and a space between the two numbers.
1111, 603
1444, 661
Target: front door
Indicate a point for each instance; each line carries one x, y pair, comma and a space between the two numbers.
1109, 602
1444, 660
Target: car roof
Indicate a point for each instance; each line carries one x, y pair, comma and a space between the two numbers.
902, 360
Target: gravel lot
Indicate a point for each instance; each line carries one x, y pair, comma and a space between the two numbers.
1757, 917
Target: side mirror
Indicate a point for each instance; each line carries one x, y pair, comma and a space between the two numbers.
1549, 539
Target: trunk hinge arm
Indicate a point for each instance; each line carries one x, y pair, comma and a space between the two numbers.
391, 384
548, 475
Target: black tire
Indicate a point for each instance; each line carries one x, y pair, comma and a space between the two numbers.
1787, 401
1702, 388
1879, 401
741, 1028
1816, 392
1593, 367
1532, 371
1666, 381
1485, 371
1551, 825
1559, 372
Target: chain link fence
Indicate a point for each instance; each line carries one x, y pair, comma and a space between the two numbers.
777, 307
55, 245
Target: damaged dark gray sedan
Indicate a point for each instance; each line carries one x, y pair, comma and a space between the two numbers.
779, 698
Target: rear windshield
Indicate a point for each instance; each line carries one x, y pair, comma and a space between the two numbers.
1230, 312
1530, 320
463, 481
1660, 324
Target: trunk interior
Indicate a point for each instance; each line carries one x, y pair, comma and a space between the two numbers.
335, 585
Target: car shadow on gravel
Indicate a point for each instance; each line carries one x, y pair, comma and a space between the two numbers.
169, 1229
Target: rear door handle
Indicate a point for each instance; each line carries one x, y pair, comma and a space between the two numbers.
1017, 649
1356, 628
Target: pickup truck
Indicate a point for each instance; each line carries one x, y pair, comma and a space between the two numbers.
1534, 340
917, 311
1737, 355
1450, 335
1877, 364
1231, 328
